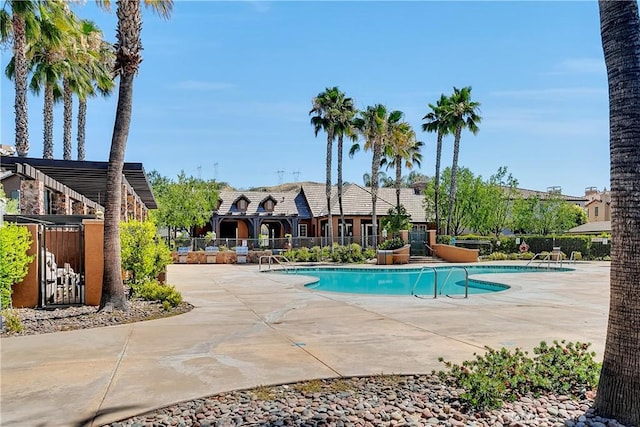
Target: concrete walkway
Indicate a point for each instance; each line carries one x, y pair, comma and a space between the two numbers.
250, 328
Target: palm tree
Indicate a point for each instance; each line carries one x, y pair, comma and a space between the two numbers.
20, 24
375, 124
47, 62
345, 113
619, 387
401, 148
325, 109
462, 114
89, 61
128, 57
437, 122
100, 72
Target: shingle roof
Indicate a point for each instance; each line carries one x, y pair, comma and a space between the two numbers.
592, 228
285, 202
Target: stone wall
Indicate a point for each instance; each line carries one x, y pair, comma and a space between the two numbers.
32, 197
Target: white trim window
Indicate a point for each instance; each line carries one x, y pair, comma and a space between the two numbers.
302, 230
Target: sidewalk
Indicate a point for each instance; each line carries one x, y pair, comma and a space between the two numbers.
250, 328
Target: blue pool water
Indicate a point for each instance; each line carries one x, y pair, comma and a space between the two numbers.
401, 281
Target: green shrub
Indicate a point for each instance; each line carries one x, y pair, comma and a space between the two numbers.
527, 255
514, 256
154, 291
497, 256
395, 243
15, 241
500, 375
369, 253
143, 253
11, 322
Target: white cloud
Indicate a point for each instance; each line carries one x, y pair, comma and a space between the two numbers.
201, 85
579, 66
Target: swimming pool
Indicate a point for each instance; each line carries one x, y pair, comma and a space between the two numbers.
404, 281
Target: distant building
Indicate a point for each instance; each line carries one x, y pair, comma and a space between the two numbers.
598, 206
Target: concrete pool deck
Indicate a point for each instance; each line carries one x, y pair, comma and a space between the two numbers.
250, 328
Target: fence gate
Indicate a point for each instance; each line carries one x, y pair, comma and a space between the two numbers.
418, 240
61, 265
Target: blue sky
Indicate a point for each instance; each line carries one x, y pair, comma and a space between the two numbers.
225, 88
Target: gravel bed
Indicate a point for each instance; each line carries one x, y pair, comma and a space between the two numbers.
84, 317
414, 400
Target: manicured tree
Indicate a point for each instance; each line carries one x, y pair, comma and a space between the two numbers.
462, 113
18, 21
325, 110
345, 113
99, 68
128, 58
375, 124
436, 121
402, 147
619, 387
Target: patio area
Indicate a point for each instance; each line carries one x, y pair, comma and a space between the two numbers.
250, 328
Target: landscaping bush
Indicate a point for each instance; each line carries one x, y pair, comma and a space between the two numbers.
15, 241
500, 375
144, 255
369, 253
154, 291
395, 243
11, 321
497, 256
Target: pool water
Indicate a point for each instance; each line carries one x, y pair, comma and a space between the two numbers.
402, 281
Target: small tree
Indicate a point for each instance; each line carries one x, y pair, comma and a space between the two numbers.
15, 241
143, 253
396, 220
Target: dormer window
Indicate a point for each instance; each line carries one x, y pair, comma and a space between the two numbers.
242, 205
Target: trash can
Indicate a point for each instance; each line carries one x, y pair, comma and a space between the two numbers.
385, 257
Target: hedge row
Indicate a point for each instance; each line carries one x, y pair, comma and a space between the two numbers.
586, 245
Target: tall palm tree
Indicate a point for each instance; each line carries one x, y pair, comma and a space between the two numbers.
128, 58
402, 148
345, 113
375, 124
436, 121
619, 387
463, 113
324, 108
47, 62
102, 82
19, 23
83, 61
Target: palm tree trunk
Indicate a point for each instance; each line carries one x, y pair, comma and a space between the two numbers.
68, 114
375, 165
328, 189
342, 228
128, 58
436, 182
47, 112
82, 118
454, 173
113, 296
619, 387
21, 72
398, 181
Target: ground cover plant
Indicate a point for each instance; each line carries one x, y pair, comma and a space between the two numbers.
502, 375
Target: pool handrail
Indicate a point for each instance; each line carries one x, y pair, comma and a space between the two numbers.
547, 258
435, 280
273, 258
466, 281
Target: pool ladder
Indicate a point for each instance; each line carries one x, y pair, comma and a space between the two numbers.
273, 258
438, 290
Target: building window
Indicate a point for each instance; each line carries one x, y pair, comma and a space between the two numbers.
595, 211
268, 205
302, 230
242, 205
